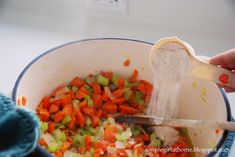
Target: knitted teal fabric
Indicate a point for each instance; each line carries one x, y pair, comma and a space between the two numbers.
19, 129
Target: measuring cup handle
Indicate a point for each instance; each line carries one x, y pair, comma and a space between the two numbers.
206, 71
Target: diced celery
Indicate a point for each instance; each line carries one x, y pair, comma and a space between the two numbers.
114, 78
124, 135
141, 102
74, 89
85, 132
127, 83
128, 133
75, 103
136, 131
91, 130
121, 137
89, 101
53, 147
138, 97
99, 133
60, 126
92, 151
88, 88
88, 121
111, 120
63, 137
127, 94
88, 154
66, 119
154, 141
102, 80
44, 126
59, 135
59, 144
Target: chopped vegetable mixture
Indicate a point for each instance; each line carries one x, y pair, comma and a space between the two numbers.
76, 120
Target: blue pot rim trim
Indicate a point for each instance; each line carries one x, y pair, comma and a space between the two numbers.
225, 134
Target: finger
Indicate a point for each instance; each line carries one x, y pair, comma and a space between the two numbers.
226, 59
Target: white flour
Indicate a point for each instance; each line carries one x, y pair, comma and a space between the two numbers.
171, 64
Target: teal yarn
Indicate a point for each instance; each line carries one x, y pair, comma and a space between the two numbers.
19, 129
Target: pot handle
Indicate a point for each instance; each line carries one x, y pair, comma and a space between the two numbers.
228, 143
39, 152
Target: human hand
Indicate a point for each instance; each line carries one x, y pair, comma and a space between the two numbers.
225, 60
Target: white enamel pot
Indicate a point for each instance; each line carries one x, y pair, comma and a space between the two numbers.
198, 99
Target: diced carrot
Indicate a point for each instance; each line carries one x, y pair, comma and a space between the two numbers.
53, 108
88, 142
69, 139
46, 102
107, 74
99, 144
88, 110
145, 137
141, 107
99, 113
133, 77
110, 132
120, 82
68, 109
184, 154
112, 155
94, 121
83, 104
71, 93
98, 152
40, 107
80, 118
105, 97
83, 90
65, 146
58, 117
97, 100
42, 142
80, 95
66, 99
96, 88
58, 154
18, 102
127, 109
110, 107
126, 62
77, 82
118, 93
24, 100
104, 114
171, 155
71, 124
82, 150
141, 87
122, 152
44, 115
118, 100
51, 127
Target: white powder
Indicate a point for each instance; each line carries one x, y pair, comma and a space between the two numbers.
170, 64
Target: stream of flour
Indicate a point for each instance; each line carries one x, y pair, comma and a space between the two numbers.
170, 64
